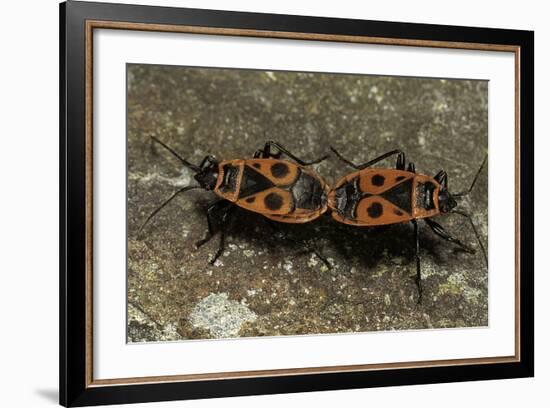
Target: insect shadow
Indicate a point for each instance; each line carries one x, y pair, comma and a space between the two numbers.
371, 247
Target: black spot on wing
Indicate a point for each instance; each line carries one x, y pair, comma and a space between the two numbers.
273, 201
280, 170
398, 212
375, 210
250, 199
257, 165
378, 180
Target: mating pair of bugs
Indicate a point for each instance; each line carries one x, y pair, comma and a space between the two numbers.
290, 192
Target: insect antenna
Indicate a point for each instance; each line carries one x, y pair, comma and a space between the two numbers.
475, 232
342, 158
182, 190
192, 166
466, 192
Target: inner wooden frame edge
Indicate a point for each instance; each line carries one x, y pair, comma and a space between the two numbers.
91, 24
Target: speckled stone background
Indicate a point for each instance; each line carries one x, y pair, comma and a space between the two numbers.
265, 285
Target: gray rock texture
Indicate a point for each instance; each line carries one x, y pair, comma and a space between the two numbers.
264, 284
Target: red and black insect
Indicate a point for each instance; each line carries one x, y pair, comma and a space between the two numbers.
381, 196
278, 189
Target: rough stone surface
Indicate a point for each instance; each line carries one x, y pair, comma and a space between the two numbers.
440, 124
223, 318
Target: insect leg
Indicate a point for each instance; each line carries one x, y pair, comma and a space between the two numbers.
209, 214
224, 222
441, 178
411, 168
369, 163
418, 277
400, 163
307, 248
266, 153
440, 231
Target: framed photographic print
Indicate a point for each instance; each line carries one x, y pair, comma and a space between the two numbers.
255, 203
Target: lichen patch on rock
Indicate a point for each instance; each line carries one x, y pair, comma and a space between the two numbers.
222, 317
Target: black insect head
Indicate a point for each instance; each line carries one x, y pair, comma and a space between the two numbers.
446, 201
207, 174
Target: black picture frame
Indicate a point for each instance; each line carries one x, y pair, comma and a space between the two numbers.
76, 385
